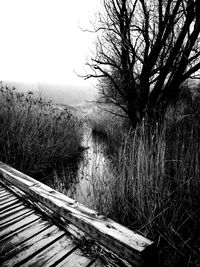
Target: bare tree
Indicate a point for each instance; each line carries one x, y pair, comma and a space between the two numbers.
145, 50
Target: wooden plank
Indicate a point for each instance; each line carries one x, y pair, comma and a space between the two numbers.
52, 254
7, 200
75, 259
97, 263
32, 246
10, 208
3, 190
12, 234
70, 228
122, 241
13, 189
7, 194
11, 211
10, 222
5, 197
14, 217
11, 203
9, 230
22, 235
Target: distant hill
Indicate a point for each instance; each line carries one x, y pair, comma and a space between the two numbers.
59, 94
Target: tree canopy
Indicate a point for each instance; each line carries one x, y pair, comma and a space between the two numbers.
145, 50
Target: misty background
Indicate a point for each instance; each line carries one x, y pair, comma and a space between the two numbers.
43, 48
59, 94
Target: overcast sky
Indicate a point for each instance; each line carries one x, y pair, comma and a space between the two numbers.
41, 40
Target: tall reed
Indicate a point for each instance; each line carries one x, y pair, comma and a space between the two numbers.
155, 186
34, 134
108, 127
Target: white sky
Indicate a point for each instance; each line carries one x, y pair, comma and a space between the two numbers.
41, 40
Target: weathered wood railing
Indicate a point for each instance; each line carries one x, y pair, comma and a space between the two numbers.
136, 249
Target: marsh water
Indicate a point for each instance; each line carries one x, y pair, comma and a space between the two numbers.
83, 178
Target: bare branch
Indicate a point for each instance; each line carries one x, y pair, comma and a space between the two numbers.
145, 49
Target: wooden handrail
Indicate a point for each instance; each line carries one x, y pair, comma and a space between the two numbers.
127, 244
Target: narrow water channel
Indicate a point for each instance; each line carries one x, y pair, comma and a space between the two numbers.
84, 181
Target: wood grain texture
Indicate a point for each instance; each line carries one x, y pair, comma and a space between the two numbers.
7, 200
122, 241
97, 264
23, 252
5, 196
9, 204
75, 259
30, 239
10, 229
52, 254
3, 190
23, 234
36, 243
18, 214
11, 211
9, 208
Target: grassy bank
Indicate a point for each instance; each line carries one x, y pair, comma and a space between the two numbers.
108, 128
35, 135
155, 184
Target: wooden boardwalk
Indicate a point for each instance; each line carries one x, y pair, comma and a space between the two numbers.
41, 227
29, 239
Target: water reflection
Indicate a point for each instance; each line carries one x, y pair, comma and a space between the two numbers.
81, 179
91, 170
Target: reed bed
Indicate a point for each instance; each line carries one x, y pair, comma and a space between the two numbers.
107, 127
36, 135
154, 186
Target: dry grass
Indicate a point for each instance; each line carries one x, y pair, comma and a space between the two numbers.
155, 185
35, 135
108, 127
